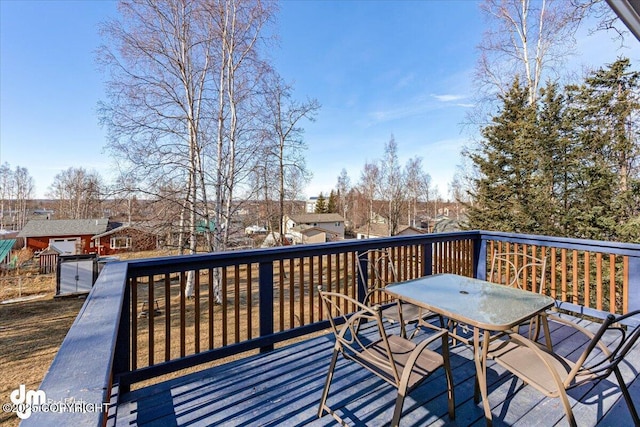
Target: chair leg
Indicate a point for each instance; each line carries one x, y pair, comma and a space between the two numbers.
447, 370
397, 412
567, 408
327, 384
627, 397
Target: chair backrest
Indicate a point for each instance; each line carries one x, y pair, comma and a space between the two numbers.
379, 266
518, 270
351, 341
621, 335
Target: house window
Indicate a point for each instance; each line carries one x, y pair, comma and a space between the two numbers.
122, 242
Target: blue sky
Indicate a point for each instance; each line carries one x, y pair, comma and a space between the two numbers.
378, 68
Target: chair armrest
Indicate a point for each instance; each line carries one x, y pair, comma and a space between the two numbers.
415, 353
579, 328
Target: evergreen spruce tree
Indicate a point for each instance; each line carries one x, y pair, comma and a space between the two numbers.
332, 204
508, 162
569, 166
605, 111
321, 204
558, 161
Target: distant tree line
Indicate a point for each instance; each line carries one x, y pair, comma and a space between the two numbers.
567, 164
16, 190
386, 191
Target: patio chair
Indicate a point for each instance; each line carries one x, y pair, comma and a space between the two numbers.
378, 272
523, 271
553, 374
517, 270
397, 360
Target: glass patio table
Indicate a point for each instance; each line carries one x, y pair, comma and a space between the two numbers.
485, 306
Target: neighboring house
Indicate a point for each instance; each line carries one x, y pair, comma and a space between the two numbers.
303, 234
407, 230
444, 224
331, 223
127, 238
372, 230
88, 236
67, 236
382, 230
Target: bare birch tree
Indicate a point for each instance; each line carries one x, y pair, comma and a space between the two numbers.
6, 190
283, 118
392, 185
368, 186
177, 84
418, 187
525, 38
78, 194
16, 189
343, 186
23, 193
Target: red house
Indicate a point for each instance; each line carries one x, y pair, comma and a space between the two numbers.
127, 238
88, 236
67, 236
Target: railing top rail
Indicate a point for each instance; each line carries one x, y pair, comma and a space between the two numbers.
172, 264
82, 368
618, 248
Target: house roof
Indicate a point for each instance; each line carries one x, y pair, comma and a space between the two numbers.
306, 229
382, 230
5, 248
408, 229
316, 218
629, 12
64, 227
145, 227
375, 230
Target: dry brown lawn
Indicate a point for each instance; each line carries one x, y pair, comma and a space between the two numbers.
31, 330
30, 333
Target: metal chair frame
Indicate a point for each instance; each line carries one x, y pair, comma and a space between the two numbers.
553, 374
395, 359
380, 263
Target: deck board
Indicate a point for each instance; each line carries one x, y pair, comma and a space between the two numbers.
283, 387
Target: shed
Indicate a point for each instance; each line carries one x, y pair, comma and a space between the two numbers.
76, 274
48, 260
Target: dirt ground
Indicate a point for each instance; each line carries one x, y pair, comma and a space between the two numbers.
30, 333
32, 326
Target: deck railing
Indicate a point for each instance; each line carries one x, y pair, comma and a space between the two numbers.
138, 324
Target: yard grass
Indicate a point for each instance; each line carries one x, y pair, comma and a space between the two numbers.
33, 324
30, 334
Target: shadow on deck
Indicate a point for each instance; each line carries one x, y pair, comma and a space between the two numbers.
283, 388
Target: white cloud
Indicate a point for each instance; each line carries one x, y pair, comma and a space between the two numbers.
448, 97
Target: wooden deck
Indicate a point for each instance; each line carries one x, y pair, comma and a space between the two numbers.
283, 387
